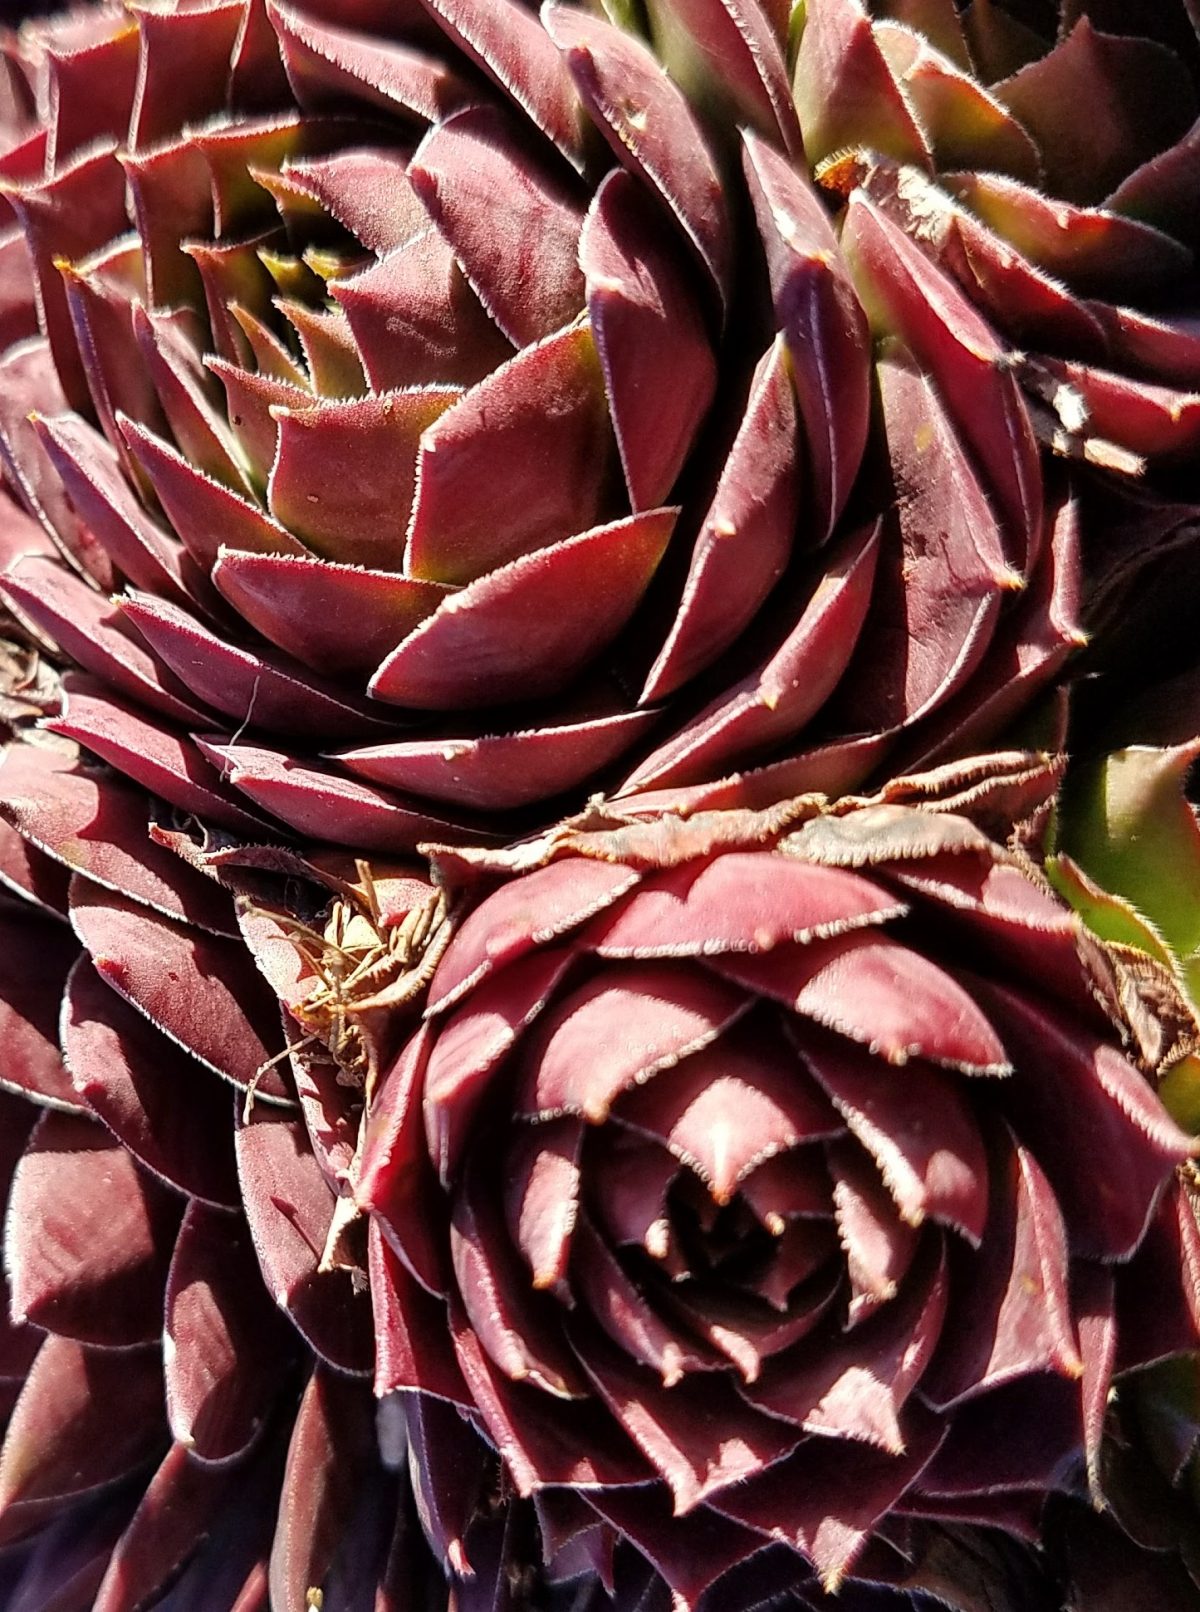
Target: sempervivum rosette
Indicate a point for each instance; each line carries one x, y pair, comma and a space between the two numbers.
440, 404
780, 1179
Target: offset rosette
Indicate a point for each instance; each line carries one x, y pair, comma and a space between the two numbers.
753, 1162
442, 406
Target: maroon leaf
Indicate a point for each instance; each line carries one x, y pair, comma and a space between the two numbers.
345, 469
167, 1110
541, 1196
410, 1329
659, 370
728, 1107
918, 1126
698, 1435
36, 954
521, 260
472, 1047
85, 1418
827, 1498
846, 94
1014, 1288
498, 931
97, 825
201, 990
789, 686
572, 1065
152, 756
855, 1385
503, 40
290, 1209
247, 685
416, 320
90, 1237
650, 127
737, 902
911, 297
823, 325
334, 618
872, 990
330, 1455
528, 627
498, 771
746, 541
172, 1521
1095, 1093
224, 1346
324, 805
516, 465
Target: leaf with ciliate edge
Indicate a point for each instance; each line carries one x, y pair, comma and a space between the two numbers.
307, 606
200, 990
331, 1450
541, 1196
345, 471
326, 806
416, 322
651, 129
745, 543
911, 298
153, 756
97, 825
727, 51
170, 1112
327, 65
876, 992
289, 1207
528, 627
515, 466
246, 685
846, 94
827, 1498
788, 687
518, 1327
89, 1236
522, 260
570, 1064
930, 1168
499, 771
822, 323
85, 1419
1095, 1094
89, 627
225, 1346
506, 42
1013, 1288
410, 1330
35, 958
699, 1437
738, 902
173, 1520
544, 1441
648, 326
728, 1107
564, 895
855, 1385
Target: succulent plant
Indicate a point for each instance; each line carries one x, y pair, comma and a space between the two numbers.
415, 416
752, 1163
380, 519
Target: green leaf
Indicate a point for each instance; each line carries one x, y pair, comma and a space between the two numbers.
1109, 916
1128, 823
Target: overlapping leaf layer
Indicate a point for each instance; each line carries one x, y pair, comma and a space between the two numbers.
414, 416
